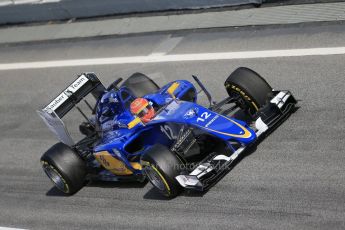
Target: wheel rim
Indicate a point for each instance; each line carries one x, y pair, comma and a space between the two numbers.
55, 177
155, 178
242, 104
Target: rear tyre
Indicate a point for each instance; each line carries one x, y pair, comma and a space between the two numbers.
140, 84
249, 88
64, 168
161, 166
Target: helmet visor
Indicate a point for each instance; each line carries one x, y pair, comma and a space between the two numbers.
144, 111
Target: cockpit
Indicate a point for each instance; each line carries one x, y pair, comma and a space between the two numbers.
119, 108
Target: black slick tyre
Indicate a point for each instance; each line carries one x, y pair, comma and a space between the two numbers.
161, 166
251, 90
64, 168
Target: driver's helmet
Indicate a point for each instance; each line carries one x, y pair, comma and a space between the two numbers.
141, 108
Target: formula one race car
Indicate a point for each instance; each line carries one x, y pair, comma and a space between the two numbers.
139, 130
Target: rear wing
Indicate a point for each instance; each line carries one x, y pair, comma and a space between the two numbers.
53, 112
74, 93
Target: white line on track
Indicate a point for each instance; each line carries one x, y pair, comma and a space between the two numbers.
175, 58
5, 228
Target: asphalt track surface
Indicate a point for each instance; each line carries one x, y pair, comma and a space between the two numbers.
294, 180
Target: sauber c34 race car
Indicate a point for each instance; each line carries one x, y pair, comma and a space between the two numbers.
139, 130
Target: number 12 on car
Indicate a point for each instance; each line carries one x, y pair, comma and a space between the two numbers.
204, 116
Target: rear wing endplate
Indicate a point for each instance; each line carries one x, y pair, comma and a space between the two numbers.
66, 100
56, 125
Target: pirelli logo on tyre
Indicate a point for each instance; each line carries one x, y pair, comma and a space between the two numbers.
243, 94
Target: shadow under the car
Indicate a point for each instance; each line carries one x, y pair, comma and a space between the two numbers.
153, 194
101, 184
117, 184
56, 192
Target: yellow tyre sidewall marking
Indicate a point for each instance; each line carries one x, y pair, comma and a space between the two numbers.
243, 94
159, 174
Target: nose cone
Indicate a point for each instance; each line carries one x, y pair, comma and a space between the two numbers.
228, 128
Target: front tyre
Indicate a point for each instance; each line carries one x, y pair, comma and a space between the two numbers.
64, 168
161, 166
250, 90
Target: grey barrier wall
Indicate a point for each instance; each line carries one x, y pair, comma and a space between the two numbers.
12, 12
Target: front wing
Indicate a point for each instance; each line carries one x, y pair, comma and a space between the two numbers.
215, 166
